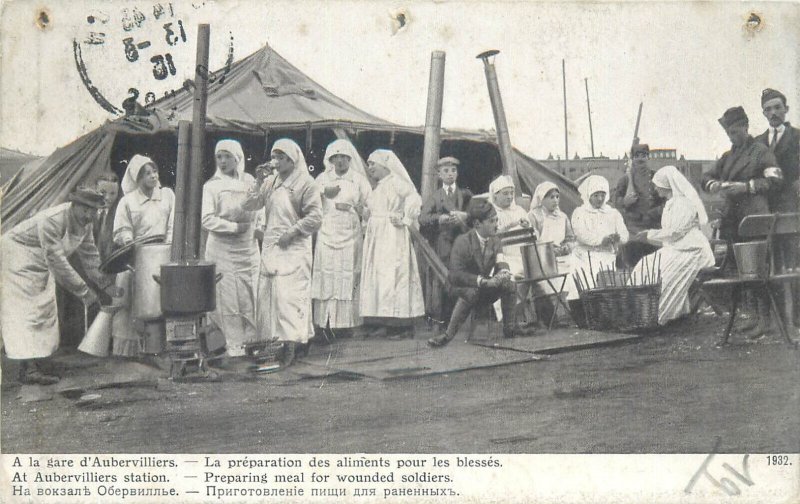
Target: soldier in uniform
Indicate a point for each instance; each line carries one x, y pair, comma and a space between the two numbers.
744, 176
639, 204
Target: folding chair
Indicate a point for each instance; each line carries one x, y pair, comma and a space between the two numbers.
761, 226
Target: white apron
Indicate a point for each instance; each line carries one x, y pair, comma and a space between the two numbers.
284, 285
236, 257
28, 312
554, 231
390, 280
337, 261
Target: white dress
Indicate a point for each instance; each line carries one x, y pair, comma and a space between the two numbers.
283, 311
685, 251
236, 257
554, 228
390, 280
508, 220
34, 258
137, 216
589, 256
337, 257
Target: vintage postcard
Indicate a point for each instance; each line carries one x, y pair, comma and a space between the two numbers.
379, 251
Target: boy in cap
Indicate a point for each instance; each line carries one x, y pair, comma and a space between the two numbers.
783, 140
478, 273
744, 176
442, 219
639, 203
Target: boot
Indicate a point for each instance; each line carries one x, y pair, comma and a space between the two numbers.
764, 324
460, 313
289, 353
31, 374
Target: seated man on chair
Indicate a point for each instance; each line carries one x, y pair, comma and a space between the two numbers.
478, 273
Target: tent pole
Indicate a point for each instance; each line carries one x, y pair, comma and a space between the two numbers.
503, 138
564, 83
589, 109
178, 250
194, 198
433, 123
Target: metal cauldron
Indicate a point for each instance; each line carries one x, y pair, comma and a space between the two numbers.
539, 260
148, 260
188, 288
751, 259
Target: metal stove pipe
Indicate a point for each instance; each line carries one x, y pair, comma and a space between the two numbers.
503, 138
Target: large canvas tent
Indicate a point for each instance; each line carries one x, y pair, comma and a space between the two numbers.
256, 101
11, 162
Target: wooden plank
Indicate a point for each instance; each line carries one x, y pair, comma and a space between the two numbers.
559, 341
418, 361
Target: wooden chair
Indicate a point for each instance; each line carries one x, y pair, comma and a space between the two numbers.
766, 226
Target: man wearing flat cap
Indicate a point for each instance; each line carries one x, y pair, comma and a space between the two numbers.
35, 254
478, 273
639, 203
744, 176
441, 220
783, 140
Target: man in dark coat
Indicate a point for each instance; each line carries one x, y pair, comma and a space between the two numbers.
640, 205
783, 140
745, 176
442, 219
106, 184
478, 273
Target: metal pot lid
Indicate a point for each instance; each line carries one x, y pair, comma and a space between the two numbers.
119, 260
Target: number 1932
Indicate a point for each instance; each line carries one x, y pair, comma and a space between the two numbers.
778, 460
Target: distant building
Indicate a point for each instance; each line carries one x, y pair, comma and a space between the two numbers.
613, 169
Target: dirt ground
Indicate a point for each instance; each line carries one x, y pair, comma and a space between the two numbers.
671, 392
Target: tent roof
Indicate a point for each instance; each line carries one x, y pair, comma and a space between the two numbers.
11, 162
264, 90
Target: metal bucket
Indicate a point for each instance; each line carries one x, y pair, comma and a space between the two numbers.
539, 260
146, 292
97, 340
751, 259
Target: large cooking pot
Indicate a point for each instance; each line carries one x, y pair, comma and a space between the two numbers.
147, 261
120, 259
539, 260
188, 288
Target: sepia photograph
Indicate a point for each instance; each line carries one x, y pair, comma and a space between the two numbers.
378, 250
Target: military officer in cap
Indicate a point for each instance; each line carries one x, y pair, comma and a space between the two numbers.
639, 203
783, 140
442, 219
744, 176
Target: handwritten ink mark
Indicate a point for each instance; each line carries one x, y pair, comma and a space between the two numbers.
725, 484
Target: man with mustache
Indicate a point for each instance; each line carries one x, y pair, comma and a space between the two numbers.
783, 140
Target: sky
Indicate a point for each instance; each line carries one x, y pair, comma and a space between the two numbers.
687, 62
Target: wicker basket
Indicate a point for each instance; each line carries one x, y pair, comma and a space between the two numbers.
629, 308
